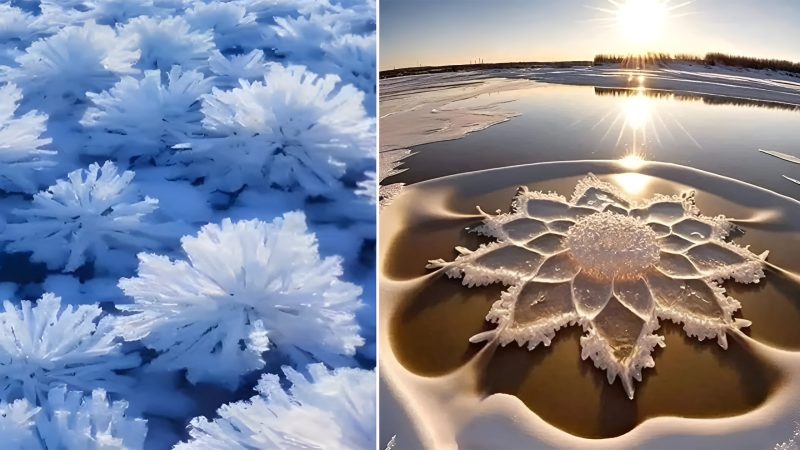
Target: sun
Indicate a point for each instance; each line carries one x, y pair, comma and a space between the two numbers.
643, 24
642, 21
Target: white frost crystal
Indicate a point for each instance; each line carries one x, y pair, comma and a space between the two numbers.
17, 420
165, 42
145, 116
232, 25
94, 215
17, 27
22, 154
229, 70
293, 129
357, 52
82, 422
56, 72
45, 345
334, 410
611, 265
244, 286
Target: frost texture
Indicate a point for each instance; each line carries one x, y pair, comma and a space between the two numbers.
220, 116
22, 152
92, 216
229, 70
58, 71
79, 422
145, 116
72, 422
105, 12
340, 402
613, 266
167, 42
292, 129
17, 420
233, 26
358, 51
18, 28
45, 345
245, 285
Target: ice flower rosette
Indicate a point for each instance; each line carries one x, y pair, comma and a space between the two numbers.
612, 265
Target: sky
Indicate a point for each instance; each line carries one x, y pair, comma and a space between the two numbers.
442, 32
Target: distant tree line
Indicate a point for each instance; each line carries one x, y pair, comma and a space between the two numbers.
708, 99
711, 59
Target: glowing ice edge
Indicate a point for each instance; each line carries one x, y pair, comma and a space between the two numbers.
447, 412
594, 278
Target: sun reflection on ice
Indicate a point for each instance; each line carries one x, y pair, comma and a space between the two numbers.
632, 161
637, 110
632, 183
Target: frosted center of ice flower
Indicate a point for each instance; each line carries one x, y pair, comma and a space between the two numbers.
610, 245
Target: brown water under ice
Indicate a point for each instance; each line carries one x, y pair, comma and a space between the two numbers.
430, 330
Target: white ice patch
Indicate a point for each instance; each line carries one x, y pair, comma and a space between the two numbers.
610, 264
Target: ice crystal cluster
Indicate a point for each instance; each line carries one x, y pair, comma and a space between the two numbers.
610, 264
187, 206
341, 402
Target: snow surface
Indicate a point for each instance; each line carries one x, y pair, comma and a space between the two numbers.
225, 147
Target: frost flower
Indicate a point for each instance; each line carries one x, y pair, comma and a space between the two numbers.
244, 286
229, 70
80, 422
43, 345
165, 42
267, 11
106, 12
22, 154
145, 116
94, 215
293, 129
17, 27
299, 37
613, 266
56, 72
232, 25
17, 420
355, 57
334, 410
